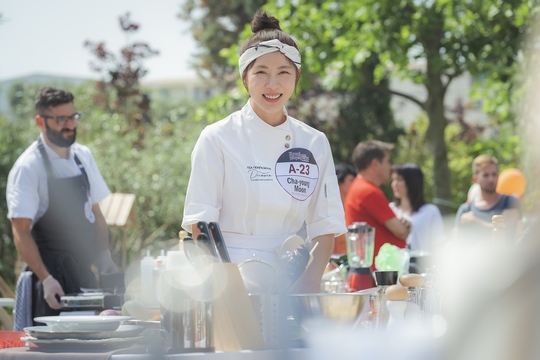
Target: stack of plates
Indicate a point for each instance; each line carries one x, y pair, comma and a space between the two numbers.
78, 333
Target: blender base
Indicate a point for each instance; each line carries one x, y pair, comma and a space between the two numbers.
360, 279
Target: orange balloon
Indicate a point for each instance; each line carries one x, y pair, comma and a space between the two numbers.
511, 182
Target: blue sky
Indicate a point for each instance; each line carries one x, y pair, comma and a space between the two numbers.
47, 36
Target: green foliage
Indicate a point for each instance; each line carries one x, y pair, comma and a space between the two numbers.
216, 25
427, 42
14, 138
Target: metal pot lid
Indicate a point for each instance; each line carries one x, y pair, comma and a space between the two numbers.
260, 278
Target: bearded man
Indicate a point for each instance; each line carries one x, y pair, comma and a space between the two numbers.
53, 193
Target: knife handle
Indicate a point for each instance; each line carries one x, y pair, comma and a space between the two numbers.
203, 227
220, 243
206, 243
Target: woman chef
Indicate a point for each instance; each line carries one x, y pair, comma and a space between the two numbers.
262, 174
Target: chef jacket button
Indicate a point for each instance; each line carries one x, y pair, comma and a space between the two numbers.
287, 145
288, 137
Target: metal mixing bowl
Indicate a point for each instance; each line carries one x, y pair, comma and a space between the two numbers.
342, 308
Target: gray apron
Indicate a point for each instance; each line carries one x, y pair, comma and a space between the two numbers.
66, 239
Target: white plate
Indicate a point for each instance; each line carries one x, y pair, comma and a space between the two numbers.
82, 345
82, 323
45, 332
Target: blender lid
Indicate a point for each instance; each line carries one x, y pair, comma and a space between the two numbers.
359, 227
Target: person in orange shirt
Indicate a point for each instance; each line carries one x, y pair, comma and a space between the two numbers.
365, 201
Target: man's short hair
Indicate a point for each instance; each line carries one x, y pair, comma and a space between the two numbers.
49, 97
482, 161
366, 151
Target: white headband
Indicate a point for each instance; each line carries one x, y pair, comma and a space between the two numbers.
266, 47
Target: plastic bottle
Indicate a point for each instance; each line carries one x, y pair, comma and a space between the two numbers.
177, 258
147, 289
157, 270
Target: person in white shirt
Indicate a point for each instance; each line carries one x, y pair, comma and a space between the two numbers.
409, 203
262, 174
53, 192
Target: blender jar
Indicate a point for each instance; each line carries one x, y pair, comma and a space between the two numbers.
360, 239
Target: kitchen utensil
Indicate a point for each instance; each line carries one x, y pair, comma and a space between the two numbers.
235, 324
219, 241
360, 240
186, 307
82, 323
272, 312
293, 263
45, 332
396, 305
385, 278
206, 238
339, 308
292, 243
205, 243
412, 282
78, 346
259, 277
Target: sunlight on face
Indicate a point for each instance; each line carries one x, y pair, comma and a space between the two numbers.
270, 82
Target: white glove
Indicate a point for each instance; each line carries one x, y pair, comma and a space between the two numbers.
51, 288
105, 263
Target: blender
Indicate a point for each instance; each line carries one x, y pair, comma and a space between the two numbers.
360, 240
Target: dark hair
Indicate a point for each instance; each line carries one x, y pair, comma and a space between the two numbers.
414, 181
265, 27
342, 170
49, 97
366, 151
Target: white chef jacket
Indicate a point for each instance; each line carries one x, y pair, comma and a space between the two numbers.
233, 181
27, 193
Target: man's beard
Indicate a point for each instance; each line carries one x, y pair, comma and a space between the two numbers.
58, 139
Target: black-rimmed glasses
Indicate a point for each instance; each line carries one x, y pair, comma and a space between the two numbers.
61, 120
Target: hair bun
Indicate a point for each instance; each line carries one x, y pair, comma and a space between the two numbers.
262, 21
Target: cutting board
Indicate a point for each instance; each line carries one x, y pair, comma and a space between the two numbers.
236, 327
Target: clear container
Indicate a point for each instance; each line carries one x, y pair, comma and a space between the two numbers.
335, 281
360, 240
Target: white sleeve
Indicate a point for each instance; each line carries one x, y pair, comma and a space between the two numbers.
22, 193
325, 211
205, 188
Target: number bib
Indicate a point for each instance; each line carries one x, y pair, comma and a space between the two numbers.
297, 172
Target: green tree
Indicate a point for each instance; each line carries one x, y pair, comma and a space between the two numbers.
446, 37
123, 73
14, 138
217, 25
